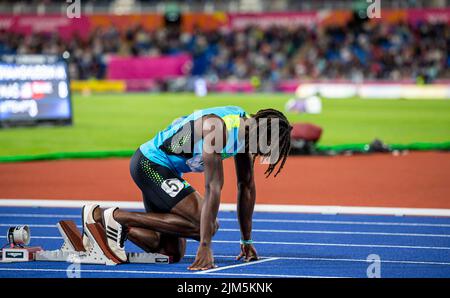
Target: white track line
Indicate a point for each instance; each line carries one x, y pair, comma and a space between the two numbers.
275, 275
31, 225
340, 233
339, 222
303, 244
344, 260
34, 215
333, 222
275, 231
163, 272
236, 265
335, 244
232, 207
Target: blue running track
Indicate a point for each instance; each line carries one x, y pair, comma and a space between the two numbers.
290, 245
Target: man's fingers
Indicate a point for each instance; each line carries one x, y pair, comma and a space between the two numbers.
211, 266
193, 266
197, 266
202, 267
251, 258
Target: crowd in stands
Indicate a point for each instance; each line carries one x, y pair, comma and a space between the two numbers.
357, 51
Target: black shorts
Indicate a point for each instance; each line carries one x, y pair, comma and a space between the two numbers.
161, 187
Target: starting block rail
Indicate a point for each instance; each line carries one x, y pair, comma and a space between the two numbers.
73, 251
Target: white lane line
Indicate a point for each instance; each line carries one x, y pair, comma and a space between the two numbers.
33, 215
42, 237
30, 225
335, 244
339, 222
340, 233
303, 244
276, 275
236, 265
164, 272
232, 207
266, 220
343, 260
286, 258
275, 231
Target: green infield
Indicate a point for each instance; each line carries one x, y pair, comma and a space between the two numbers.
121, 122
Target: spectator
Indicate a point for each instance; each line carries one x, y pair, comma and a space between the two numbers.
354, 52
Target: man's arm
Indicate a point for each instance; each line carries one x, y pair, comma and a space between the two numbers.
214, 135
246, 193
213, 188
245, 203
213, 130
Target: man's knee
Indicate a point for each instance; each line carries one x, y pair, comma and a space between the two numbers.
174, 247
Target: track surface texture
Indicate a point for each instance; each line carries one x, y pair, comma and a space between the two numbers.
290, 245
417, 179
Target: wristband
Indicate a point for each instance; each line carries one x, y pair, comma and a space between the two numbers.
246, 242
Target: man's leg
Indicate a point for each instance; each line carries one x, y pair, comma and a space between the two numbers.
154, 242
151, 241
182, 221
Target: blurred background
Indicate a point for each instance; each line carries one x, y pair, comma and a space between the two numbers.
89, 81
365, 84
72, 62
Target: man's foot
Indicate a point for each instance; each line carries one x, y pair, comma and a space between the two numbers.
116, 234
87, 218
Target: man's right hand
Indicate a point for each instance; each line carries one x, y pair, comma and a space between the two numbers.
204, 259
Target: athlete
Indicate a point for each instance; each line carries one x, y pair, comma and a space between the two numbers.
175, 211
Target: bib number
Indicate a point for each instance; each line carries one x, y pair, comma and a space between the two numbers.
172, 186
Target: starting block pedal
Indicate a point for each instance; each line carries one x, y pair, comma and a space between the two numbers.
71, 235
73, 250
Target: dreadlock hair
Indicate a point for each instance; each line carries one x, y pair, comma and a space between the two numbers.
284, 140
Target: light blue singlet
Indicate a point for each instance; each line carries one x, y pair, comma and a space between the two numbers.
159, 148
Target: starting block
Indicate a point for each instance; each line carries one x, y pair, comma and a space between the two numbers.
73, 251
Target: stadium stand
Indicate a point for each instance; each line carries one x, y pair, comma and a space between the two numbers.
356, 51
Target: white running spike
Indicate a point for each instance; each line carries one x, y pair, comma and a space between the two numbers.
71, 251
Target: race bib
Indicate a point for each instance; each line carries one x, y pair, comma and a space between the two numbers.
172, 186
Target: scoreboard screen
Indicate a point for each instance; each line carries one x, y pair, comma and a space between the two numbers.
34, 88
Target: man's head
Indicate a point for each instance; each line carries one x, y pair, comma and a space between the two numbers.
268, 134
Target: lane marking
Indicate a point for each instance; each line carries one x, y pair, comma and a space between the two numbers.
336, 222
339, 233
335, 244
236, 265
276, 275
343, 260
319, 259
33, 215
303, 244
305, 258
43, 237
232, 207
165, 272
274, 231
31, 225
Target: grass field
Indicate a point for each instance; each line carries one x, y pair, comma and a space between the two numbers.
123, 122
